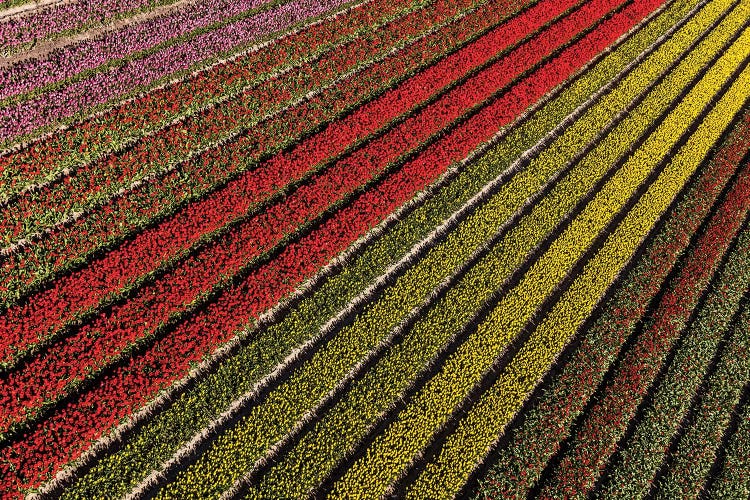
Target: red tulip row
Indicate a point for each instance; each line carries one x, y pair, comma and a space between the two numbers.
76, 292
113, 330
519, 463
49, 443
98, 181
608, 418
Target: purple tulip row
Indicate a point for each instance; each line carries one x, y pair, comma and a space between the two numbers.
41, 24
70, 60
23, 118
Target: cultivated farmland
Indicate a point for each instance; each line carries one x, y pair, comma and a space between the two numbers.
374, 248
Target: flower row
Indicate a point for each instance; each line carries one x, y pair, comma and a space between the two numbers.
733, 477
238, 448
643, 450
43, 378
156, 199
131, 384
369, 398
162, 32
188, 224
434, 405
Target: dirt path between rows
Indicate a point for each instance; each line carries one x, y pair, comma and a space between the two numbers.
43, 49
30, 7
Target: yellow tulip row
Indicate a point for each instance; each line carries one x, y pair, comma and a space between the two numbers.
393, 450
240, 447
476, 433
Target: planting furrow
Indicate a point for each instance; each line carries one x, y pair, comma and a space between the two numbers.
195, 276
213, 392
430, 407
118, 79
252, 186
85, 188
13, 8
694, 448
446, 472
730, 473
640, 451
645, 357
268, 283
519, 460
308, 462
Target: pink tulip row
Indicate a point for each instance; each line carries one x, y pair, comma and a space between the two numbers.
47, 22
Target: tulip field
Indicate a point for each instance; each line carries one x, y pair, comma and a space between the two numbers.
374, 248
